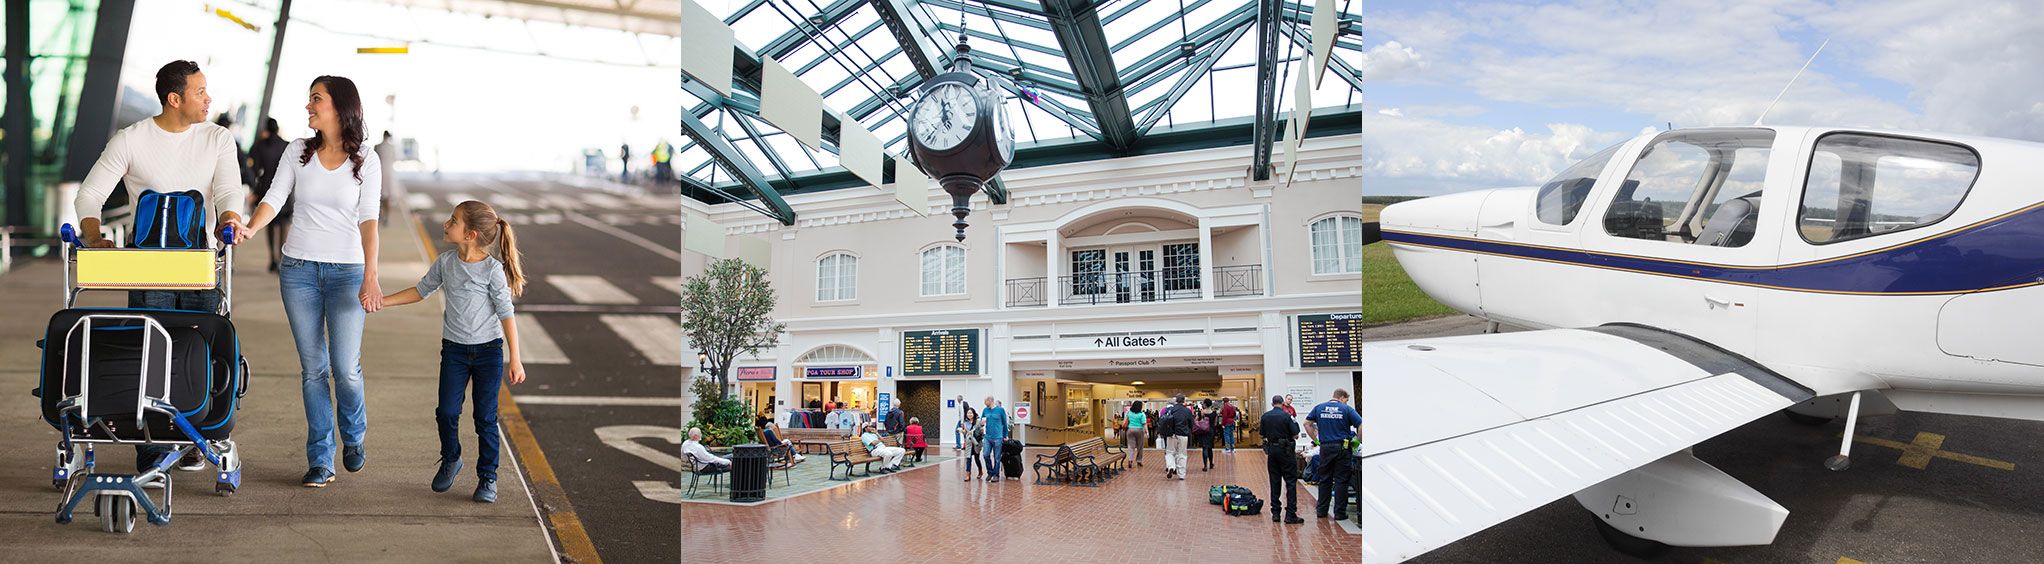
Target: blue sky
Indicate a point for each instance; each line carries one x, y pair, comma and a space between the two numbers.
1473, 94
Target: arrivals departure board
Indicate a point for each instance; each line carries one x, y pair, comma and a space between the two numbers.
944, 352
1331, 340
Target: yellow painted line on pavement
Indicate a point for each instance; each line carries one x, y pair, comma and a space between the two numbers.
546, 488
1918, 452
1848, 560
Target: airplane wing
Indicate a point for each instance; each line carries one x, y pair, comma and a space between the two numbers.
1461, 433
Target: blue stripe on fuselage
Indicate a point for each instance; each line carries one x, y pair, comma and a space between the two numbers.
2000, 253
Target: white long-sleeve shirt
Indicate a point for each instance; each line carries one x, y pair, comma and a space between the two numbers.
702, 454
143, 156
331, 204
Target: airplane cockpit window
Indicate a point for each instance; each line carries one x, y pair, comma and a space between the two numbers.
1865, 185
1694, 187
1560, 198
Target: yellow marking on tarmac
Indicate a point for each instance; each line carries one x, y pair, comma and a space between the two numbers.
575, 544
546, 487
400, 50
1848, 560
1918, 452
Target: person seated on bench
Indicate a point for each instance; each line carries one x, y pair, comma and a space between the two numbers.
890, 456
773, 438
706, 463
914, 440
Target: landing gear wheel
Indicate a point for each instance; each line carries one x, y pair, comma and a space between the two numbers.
1838, 463
1808, 420
1627, 544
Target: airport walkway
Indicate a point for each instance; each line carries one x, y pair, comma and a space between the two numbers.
383, 513
930, 514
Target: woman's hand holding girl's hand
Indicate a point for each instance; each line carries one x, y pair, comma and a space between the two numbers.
372, 294
515, 372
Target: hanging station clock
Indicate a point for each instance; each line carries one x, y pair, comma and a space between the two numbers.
959, 133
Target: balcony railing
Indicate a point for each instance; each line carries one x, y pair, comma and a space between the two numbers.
1161, 285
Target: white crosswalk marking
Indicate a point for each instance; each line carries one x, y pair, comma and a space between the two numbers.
535, 346
419, 201
590, 289
602, 200
510, 202
656, 337
668, 283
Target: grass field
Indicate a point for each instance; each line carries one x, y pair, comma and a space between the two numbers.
1389, 296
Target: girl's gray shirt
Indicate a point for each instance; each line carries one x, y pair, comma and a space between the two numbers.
478, 297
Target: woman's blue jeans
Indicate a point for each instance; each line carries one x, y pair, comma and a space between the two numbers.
322, 301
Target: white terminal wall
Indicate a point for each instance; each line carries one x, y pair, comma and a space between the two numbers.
1268, 226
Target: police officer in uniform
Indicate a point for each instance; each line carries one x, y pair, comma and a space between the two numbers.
1278, 430
1334, 424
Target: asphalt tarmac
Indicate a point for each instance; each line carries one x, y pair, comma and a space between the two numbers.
600, 319
1922, 488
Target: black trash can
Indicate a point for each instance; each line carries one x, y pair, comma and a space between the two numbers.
748, 472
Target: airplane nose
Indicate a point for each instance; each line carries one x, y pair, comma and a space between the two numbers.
1451, 215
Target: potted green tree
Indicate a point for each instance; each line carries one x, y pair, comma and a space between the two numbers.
727, 312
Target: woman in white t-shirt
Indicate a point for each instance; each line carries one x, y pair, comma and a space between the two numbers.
328, 275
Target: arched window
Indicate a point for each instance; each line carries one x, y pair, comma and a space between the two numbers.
833, 354
944, 270
837, 277
1338, 245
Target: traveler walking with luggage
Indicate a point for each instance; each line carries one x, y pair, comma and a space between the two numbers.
1280, 462
1205, 426
1334, 424
1230, 417
971, 432
996, 431
479, 335
1177, 428
328, 277
1138, 436
175, 150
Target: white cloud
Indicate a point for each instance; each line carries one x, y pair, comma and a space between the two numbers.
1393, 112
1414, 156
1391, 61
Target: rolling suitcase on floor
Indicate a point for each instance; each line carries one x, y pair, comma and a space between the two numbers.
1011, 458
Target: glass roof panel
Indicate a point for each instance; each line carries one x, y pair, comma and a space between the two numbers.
859, 57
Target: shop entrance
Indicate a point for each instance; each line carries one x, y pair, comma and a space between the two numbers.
759, 397
1073, 405
923, 400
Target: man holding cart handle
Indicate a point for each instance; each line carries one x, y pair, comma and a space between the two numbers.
175, 151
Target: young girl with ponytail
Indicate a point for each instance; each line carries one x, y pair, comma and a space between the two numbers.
479, 335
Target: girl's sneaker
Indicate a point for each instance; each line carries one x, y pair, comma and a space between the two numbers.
486, 491
444, 479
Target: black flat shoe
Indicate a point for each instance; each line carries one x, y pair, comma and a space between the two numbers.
318, 477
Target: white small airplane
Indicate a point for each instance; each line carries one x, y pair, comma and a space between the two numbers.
1679, 285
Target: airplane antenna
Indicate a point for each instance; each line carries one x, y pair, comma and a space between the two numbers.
1792, 81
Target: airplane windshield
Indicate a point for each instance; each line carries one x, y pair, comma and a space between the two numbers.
1694, 187
1561, 197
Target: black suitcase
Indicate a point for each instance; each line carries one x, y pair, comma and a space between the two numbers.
1011, 457
204, 375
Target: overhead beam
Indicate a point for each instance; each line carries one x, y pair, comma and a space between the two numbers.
1265, 128
1187, 80
1206, 34
1342, 69
800, 35
1077, 26
735, 162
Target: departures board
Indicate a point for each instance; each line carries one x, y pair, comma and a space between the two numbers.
943, 352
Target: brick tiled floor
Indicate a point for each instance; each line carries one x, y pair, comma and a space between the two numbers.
811, 475
932, 515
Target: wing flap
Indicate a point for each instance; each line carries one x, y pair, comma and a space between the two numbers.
1435, 482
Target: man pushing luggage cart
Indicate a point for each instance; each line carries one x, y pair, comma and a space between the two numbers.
163, 378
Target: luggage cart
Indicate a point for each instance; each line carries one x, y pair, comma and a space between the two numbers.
162, 379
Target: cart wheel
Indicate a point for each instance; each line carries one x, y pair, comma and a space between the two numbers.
104, 508
124, 515
59, 484
224, 489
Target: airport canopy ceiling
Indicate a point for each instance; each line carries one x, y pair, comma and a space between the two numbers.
661, 17
1084, 80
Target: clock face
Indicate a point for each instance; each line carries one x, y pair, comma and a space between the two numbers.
1004, 132
945, 116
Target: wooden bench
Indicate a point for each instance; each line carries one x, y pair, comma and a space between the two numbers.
1086, 463
813, 440
907, 457
849, 453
